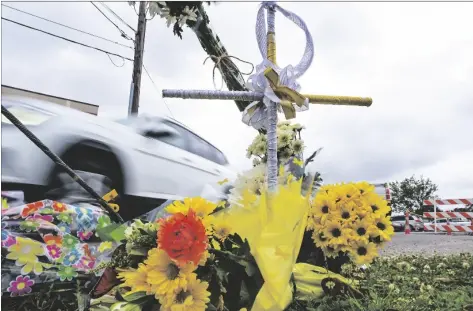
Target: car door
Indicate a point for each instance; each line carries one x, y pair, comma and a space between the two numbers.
200, 159
163, 167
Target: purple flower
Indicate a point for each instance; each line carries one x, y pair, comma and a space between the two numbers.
20, 286
84, 235
47, 218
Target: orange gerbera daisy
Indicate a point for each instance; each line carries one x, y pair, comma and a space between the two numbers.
183, 237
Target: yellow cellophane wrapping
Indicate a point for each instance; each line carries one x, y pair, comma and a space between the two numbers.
308, 279
274, 232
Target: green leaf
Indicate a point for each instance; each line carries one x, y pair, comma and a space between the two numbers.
133, 296
126, 306
112, 232
138, 251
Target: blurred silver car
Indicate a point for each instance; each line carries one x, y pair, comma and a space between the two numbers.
145, 157
415, 222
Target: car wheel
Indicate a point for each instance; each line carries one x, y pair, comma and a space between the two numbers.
92, 160
102, 161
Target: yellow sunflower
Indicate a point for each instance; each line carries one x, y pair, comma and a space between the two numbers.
200, 206
335, 233
192, 298
136, 279
378, 239
320, 239
384, 226
331, 251
350, 191
164, 274
221, 228
363, 228
346, 212
363, 210
363, 252
314, 223
323, 206
365, 188
378, 206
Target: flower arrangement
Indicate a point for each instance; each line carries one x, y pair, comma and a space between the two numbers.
350, 219
289, 144
177, 14
185, 261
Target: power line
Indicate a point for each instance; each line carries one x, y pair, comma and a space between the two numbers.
66, 39
157, 89
78, 30
124, 35
117, 16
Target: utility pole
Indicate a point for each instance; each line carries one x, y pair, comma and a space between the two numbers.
138, 60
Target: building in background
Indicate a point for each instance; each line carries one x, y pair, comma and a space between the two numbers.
74, 104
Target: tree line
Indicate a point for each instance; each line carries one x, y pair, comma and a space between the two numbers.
410, 193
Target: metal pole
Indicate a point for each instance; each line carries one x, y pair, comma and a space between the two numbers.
138, 59
435, 217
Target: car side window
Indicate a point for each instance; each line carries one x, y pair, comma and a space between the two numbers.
198, 146
201, 147
173, 140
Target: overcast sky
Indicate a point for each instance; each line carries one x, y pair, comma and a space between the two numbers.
414, 59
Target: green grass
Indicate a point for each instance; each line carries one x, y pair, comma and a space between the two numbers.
406, 283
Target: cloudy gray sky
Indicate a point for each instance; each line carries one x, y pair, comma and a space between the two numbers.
414, 59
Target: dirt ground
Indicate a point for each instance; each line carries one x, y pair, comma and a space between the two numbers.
428, 243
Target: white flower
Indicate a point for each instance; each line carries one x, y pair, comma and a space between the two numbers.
128, 232
191, 13
297, 145
260, 149
170, 20
297, 127
153, 8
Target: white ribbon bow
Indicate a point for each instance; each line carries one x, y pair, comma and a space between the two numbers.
287, 75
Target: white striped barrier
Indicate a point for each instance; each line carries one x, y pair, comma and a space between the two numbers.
451, 228
436, 214
449, 214
447, 201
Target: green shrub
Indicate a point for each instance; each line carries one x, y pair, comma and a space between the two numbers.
406, 283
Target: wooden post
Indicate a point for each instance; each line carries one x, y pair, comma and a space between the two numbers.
138, 60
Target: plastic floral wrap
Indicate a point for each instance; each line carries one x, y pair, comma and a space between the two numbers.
48, 241
209, 253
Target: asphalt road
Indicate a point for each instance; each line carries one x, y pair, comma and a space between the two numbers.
428, 243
